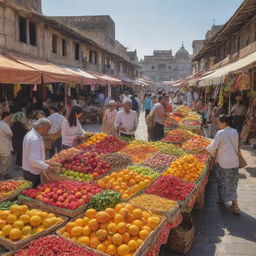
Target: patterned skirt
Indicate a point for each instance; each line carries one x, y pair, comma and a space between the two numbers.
227, 180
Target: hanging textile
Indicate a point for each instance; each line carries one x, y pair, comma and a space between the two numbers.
16, 89
243, 82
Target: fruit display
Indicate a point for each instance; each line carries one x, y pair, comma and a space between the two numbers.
159, 161
171, 124
126, 182
170, 149
193, 116
202, 157
116, 231
143, 170
105, 199
53, 246
9, 187
177, 136
196, 143
20, 222
139, 152
171, 188
63, 155
186, 167
117, 160
109, 145
87, 163
5, 205
153, 202
63, 194
184, 110
92, 140
77, 175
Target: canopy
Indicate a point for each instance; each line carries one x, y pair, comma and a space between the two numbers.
51, 72
87, 77
12, 72
110, 79
218, 75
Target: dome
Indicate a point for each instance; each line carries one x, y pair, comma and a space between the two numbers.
182, 54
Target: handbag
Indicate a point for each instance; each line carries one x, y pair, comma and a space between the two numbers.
242, 161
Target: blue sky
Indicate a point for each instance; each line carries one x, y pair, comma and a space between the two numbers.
146, 25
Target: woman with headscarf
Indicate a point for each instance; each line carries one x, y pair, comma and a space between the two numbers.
19, 130
109, 119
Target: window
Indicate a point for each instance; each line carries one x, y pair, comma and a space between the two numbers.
22, 30
152, 67
64, 47
54, 43
32, 33
77, 48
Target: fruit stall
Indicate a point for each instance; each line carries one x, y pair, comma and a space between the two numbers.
111, 197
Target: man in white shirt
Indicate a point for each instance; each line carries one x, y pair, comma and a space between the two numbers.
33, 159
6, 144
126, 120
55, 131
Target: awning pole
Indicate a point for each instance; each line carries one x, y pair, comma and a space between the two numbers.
229, 103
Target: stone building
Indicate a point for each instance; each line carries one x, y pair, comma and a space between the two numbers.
26, 32
163, 66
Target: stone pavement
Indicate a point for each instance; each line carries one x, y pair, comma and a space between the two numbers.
218, 232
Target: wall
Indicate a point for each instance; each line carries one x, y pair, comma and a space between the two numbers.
35, 5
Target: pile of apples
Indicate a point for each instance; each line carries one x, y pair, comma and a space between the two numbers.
195, 143
87, 163
63, 194
177, 136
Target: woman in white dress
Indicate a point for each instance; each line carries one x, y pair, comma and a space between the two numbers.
109, 119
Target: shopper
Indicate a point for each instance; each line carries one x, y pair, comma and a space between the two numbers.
225, 146
6, 144
71, 129
159, 118
138, 102
238, 111
33, 160
55, 132
147, 104
109, 119
135, 106
126, 120
19, 129
36, 115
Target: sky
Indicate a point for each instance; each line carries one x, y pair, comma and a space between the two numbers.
146, 25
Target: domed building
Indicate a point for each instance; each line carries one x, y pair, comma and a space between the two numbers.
163, 66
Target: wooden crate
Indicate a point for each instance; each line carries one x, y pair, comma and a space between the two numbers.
141, 251
33, 203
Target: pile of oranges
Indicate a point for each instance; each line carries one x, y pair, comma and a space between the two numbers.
94, 139
115, 231
126, 182
195, 143
139, 152
19, 222
186, 167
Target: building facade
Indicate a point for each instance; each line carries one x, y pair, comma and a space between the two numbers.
25, 32
163, 66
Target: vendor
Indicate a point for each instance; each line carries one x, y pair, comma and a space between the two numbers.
71, 128
126, 120
33, 159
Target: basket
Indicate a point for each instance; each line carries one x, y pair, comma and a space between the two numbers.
17, 191
57, 210
10, 245
141, 251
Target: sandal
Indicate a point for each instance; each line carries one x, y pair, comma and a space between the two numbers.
235, 210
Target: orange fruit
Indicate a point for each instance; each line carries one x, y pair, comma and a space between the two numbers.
137, 213
76, 231
15, 234
118, 207
79, 222
125, 196
117, 239
143, 234
123, 250
24, 218
138, 223
6, 229
111, 212
139, 242
94, 242
130, 218
146, 228
133, 245
11, 218
133, 230
93, 224
153, 222
121, 227
102, 217
84, 240
101, 234
111, 249
34, 221
119, 218
85, 220
101, 248
124, 212
90, 213
126, 237
112, 228
86, 231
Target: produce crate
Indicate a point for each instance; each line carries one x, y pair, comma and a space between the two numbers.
34, 203
17, 191
141, 251
14, 245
